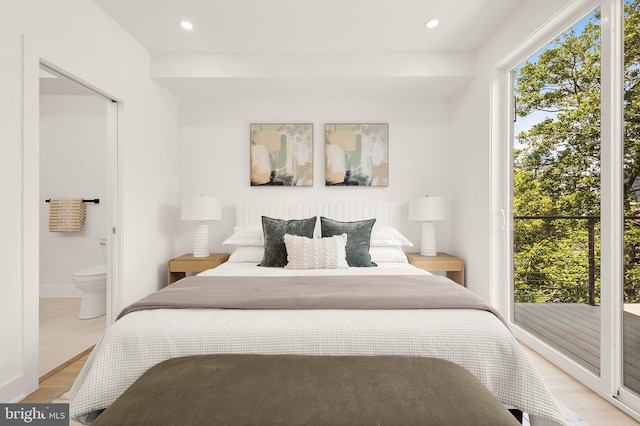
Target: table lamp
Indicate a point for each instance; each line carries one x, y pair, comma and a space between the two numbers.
201, 209
427, 210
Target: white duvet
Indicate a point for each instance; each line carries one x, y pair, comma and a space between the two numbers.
476, 340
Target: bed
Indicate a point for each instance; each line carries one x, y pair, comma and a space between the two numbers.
474, 338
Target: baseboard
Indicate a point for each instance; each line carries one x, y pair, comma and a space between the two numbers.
65, 364
59, 291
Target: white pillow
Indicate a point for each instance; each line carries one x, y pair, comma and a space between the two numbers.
387, 254
316, 253
253, 235
247, 236
387, 236
381, 236
247, 254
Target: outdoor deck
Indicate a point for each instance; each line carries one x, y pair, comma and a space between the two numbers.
574, 330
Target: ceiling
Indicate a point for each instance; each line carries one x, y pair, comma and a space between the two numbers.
310, 26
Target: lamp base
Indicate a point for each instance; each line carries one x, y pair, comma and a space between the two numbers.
428, 240
201, 239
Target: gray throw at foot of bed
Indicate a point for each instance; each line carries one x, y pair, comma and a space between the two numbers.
306, 390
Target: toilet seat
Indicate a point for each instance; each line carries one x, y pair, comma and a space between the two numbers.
92, 271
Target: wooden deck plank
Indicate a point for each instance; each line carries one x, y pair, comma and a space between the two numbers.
631, 325
559, 335
570, 335
588, 318
565, 336
574, 330
631, 351
581, 334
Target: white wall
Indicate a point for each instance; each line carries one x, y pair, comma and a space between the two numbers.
428, 152
474, 215
101, 53
214, 154
470, 202
73, 163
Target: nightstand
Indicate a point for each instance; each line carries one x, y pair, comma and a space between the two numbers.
454, 266
179, 266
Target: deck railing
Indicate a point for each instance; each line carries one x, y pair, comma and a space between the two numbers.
591, 222
591, 226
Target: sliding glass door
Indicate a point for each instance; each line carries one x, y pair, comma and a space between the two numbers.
574, 194
556, 193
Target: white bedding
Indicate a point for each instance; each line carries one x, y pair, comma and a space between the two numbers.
249, 269
476, 340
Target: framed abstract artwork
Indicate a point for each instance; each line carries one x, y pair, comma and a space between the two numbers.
356, 154
281, 154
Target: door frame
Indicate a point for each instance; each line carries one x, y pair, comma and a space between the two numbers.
114, 189
114, 186
609, 384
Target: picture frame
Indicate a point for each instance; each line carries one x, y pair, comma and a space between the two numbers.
281, 154
356, 154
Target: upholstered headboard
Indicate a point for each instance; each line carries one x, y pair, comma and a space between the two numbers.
386, 213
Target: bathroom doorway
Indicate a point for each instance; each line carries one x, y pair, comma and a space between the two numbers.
78, 140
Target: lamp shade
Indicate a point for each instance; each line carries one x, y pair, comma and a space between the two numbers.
201, 208
427, 208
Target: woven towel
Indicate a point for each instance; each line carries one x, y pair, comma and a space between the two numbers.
66, 214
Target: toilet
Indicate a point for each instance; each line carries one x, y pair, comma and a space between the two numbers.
92, 282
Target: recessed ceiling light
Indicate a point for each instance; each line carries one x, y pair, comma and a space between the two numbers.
186, 25
432, 23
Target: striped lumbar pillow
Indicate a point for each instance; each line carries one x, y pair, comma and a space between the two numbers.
316, 253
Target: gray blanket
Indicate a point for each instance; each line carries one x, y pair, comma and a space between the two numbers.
306, 390
315, 292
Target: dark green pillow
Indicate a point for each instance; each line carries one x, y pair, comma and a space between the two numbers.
358, 238
275, 252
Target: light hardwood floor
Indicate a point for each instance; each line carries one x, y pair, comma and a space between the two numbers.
57, 383
62, 334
